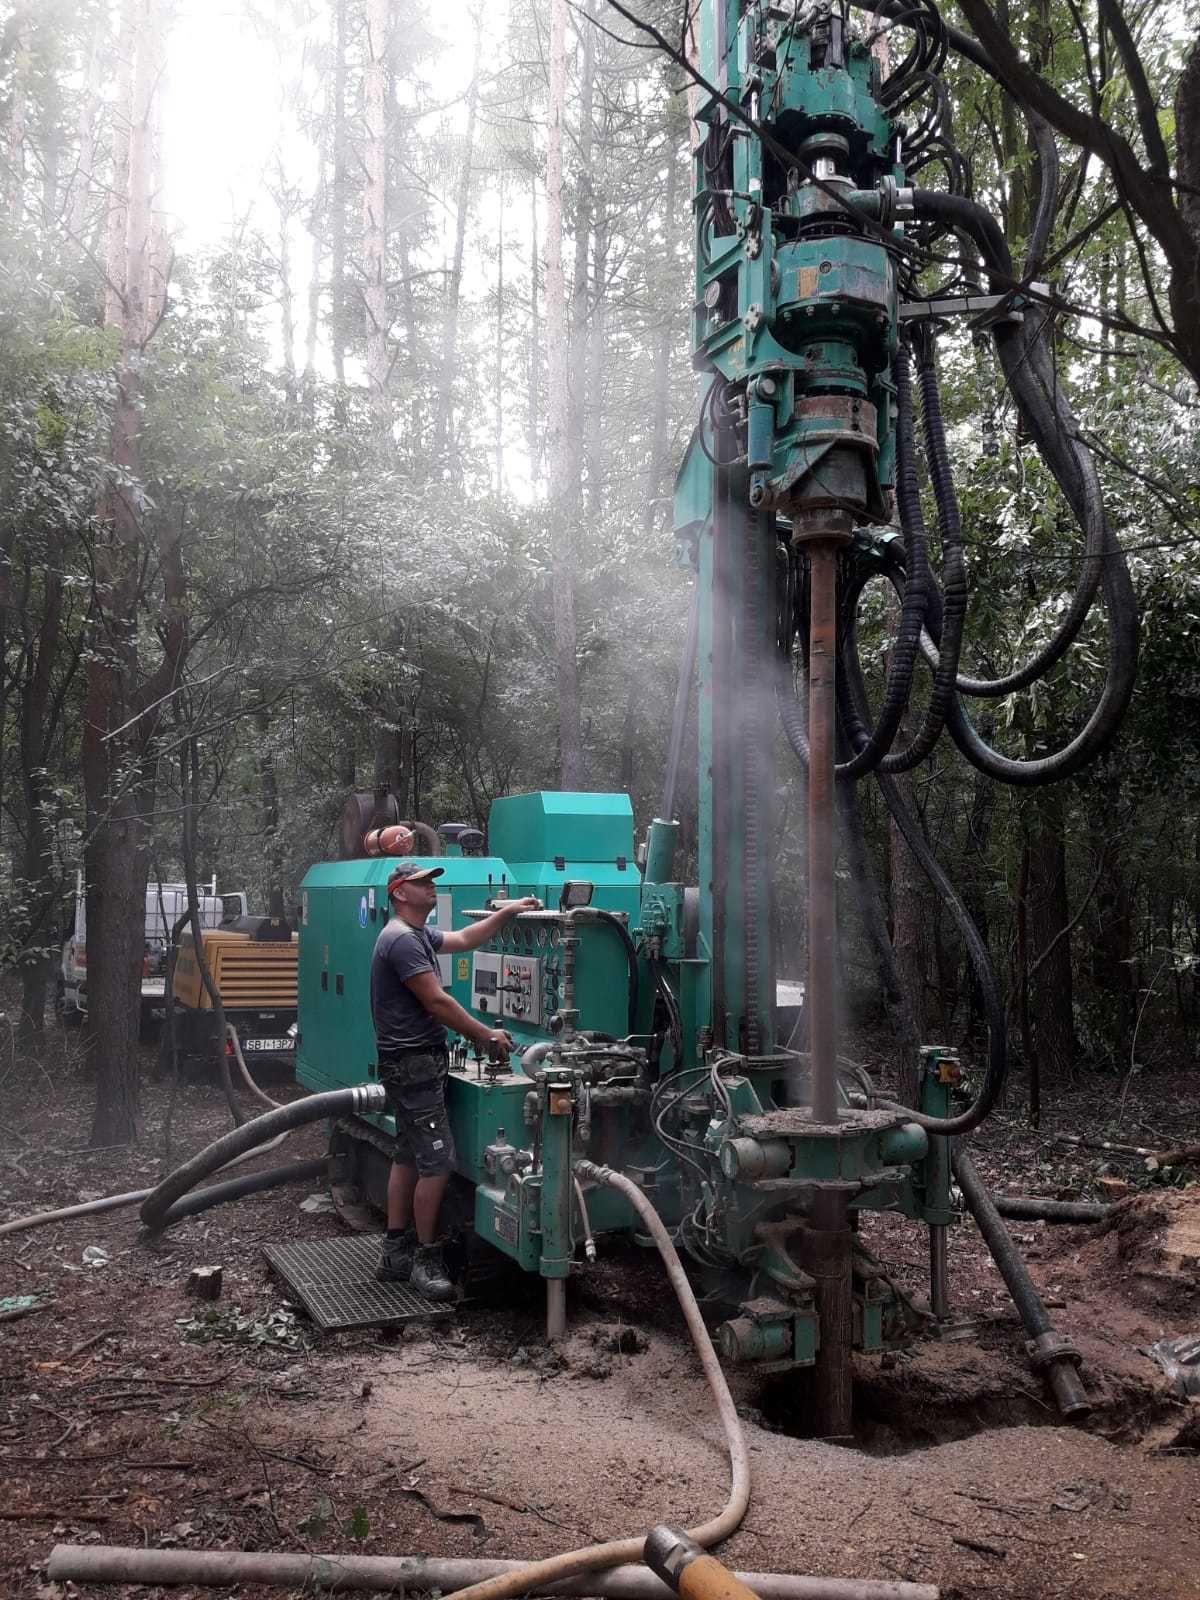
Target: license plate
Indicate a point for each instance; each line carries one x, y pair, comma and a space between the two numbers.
154, 986
268, 1044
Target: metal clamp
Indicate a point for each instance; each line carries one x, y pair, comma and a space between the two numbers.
1049, 1347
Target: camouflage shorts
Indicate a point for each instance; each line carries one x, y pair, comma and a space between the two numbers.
416, 1095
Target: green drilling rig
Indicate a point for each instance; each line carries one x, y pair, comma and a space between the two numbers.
650, 1044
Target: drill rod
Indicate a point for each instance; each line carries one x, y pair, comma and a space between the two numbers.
822, 903
829, 1225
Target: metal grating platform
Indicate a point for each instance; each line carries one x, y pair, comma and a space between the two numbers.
334, 1280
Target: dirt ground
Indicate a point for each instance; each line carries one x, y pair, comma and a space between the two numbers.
128, 1417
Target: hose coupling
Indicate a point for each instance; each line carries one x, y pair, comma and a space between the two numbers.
592, 1172
1050, 1347
369, 1097
689, 1570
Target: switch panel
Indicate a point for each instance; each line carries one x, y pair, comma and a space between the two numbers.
486, 979
521, 989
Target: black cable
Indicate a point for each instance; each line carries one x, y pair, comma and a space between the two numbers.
610, 919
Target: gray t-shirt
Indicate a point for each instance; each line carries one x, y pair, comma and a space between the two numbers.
401, 1021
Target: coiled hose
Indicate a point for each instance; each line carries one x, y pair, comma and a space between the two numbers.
364, 1098
1029, 370
594, 1557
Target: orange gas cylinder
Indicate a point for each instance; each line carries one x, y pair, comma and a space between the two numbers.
393, 841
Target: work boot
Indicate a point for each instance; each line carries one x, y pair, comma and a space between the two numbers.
429, 1275
396, 1257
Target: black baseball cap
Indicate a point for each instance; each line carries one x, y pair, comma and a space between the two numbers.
412, 872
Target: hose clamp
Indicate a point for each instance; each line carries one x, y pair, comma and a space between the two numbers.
1050, 1347
369, 1097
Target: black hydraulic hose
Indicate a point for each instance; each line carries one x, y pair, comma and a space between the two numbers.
1025, 358
1033, 1208
1048, 1351
251, 1183
873, 748
611, 920
954, 571
1029, 370
334, 1103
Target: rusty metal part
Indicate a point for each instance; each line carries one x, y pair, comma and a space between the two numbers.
828, 1249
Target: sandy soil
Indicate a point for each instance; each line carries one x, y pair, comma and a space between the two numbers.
118, 1426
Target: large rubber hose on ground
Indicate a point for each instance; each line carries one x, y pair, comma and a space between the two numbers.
116, 1202
595, 1557
366, 1097
236, 1188
1049, 1352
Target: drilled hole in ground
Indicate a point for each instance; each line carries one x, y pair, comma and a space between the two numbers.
938, 1396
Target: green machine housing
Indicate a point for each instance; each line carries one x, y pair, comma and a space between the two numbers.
606, 994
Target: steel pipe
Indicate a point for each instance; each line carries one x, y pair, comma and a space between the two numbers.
1034, 1209
1051, 1354
418, 1574
556, 1309
821, 999
939, 1270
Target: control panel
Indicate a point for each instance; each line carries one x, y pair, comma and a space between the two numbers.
507, 986
522, 989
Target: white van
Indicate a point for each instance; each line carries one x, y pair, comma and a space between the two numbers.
165, 904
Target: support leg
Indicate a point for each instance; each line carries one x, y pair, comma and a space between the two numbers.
939, 1271
556, 1309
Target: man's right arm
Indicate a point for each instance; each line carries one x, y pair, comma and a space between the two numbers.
427, 988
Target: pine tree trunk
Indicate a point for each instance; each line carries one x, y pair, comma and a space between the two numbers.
268, 789
1051, 985
1112, 939
499, 393
118, 766
443, 433
18, 112
579, 367
656, 477
597, 348
909, 896
287, 304
563, 493
375, 217
80, 185
337, 213
533, 409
